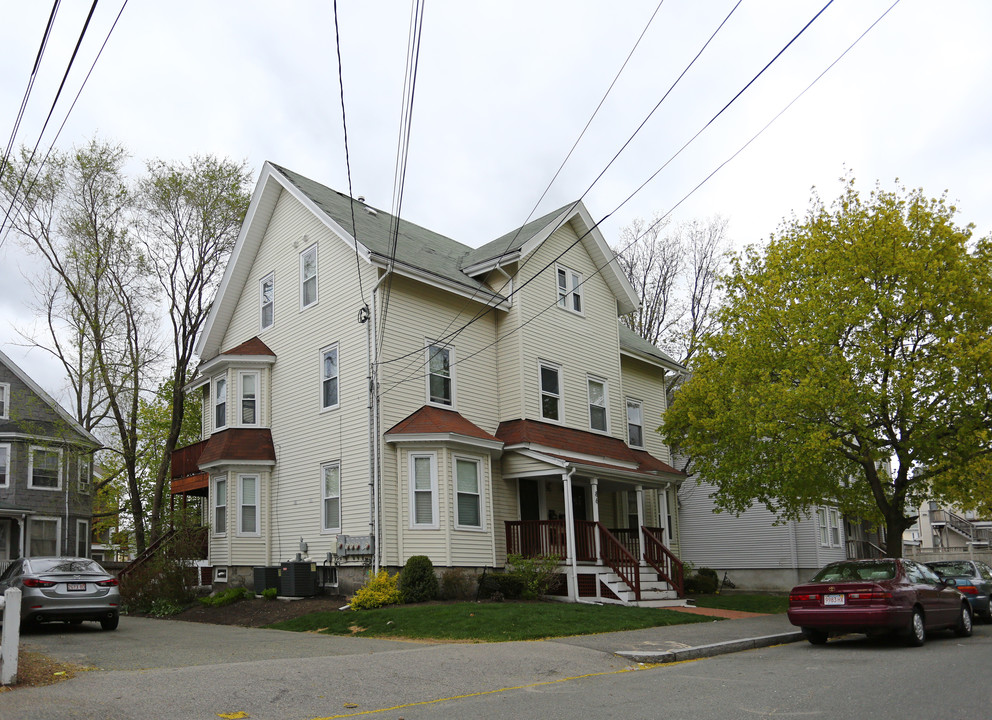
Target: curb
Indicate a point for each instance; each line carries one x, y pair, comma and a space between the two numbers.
702, 651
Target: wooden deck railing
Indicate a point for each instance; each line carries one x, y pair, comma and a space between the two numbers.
185, 461
531, 538
663, 560
620, 560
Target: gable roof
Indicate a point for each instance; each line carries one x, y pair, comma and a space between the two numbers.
86, 436
420, 253
634, 345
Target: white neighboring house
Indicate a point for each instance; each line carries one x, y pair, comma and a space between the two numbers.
949, 529
514, 414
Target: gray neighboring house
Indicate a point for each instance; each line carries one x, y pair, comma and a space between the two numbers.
46, 472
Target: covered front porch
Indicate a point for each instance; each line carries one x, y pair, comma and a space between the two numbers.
612, 535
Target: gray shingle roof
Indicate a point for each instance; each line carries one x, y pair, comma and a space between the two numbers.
630, 340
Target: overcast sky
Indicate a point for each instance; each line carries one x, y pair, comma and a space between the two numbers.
504, 89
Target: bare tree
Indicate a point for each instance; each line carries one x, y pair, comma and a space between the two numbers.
191, 214
75, 215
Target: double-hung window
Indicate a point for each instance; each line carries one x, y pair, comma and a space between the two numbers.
331, 497
4, 466
43, 536
551, 392
248, 505
440, 381
834, 527
308, 277
220, 506
423, 490
85, 475
329, 377
267, 298
598, 405
4, 401
635, 423
248, 382
468, 493
220, 403
44, 468
82, 538
569, 289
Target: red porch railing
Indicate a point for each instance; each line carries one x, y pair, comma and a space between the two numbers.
185, 461
619, 559
536, 537
662, 559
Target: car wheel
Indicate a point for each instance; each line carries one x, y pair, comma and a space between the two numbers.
917, 631
964, 627
110, 623
815, 637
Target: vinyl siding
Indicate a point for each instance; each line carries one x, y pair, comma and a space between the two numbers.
646, 383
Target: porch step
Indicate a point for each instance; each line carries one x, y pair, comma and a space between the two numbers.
652, 590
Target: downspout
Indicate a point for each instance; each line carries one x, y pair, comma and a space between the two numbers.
368, 317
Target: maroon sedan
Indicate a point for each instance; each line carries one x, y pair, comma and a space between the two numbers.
876, 596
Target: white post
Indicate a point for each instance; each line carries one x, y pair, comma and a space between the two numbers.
594, 482
10, 638
572, 576
640, 525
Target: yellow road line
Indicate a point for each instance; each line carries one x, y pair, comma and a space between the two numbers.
642, 666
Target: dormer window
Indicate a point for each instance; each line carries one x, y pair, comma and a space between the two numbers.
569, 289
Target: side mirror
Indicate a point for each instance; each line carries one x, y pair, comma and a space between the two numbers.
949, 582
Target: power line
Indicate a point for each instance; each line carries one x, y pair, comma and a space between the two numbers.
488, 308
27, 91
677, 204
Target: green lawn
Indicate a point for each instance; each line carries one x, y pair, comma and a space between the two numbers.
487, 622
771, 604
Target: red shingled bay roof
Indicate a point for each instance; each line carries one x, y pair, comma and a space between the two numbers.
432, 420
568, 442
233, 444
250, 347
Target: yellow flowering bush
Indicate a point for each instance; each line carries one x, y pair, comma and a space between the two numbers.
379, 590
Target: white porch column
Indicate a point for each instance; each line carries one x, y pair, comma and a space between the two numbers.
639, 489
594, 482
572, 575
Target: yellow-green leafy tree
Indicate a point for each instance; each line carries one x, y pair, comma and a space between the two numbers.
862, 333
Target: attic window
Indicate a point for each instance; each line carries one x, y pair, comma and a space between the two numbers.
4, 400
569, 289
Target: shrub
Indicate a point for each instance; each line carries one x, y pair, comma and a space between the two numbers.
170, 576
456, 584
225, 597
270, 593
704, 581
377, 591
498, 586
418, 581
164, 608
537, 575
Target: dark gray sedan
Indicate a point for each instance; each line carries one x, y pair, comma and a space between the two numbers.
973, 578
69, 589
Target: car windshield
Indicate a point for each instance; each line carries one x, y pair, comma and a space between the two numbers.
840, 571
64, 565
950, 569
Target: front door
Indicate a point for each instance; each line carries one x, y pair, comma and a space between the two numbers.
530, 500
585, 543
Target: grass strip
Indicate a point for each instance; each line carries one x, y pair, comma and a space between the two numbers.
770, 604
487, 622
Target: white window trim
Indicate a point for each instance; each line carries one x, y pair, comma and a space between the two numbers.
316, 273
258, 513
5, 408
84, 463
640, 407
271, 279
258, 392
324, 529
561, 391
213, 402
85, 524
434, 524
606, 402
5, 453
481, 527
573, 290
451, 374
320, 373
42, 448
833, 517
58, 533
213, 505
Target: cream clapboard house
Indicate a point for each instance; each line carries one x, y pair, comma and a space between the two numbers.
513, 413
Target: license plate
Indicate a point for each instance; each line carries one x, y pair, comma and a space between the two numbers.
75, 587
833, 599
